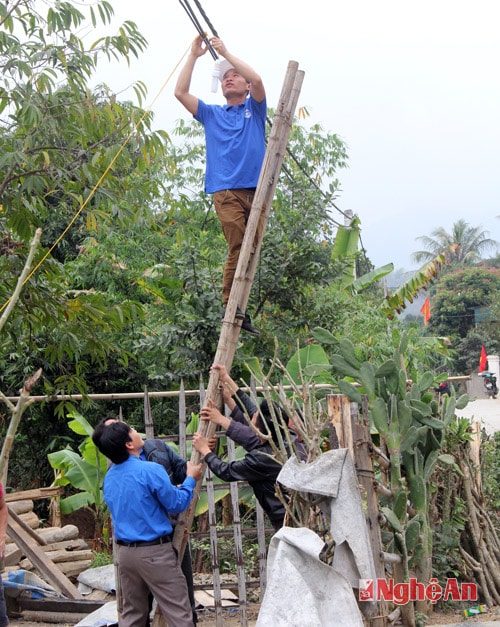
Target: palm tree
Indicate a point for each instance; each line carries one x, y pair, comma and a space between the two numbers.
467, 242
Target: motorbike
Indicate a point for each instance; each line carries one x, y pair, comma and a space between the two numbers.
443, 388
490, 384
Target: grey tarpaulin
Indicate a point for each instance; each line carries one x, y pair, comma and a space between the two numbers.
100, 578
333, 475
105, 616
302, 591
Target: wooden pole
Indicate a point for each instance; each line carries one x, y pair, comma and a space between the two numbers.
39, 559
475, 454
353, 433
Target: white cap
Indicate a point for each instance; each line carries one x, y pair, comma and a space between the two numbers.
223, 66
220, 68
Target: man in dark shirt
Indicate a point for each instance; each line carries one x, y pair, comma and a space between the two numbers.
259, 467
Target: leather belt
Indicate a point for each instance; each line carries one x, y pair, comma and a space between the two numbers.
162, 540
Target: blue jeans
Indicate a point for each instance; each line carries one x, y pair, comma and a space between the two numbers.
3, 610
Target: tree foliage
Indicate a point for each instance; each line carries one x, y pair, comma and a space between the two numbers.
73, 162
458, 295
469, 244
126, 291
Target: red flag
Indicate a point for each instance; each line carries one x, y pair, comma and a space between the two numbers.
426, 310
483, 360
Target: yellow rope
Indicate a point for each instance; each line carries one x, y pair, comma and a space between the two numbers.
96, 186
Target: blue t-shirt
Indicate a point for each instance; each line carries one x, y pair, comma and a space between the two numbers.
140, 495
235, 143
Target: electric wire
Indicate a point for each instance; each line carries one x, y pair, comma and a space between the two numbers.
197, 25
205, 17
314, 184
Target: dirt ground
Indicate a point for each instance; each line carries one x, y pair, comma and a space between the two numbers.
231, 618
206, 618
451, 618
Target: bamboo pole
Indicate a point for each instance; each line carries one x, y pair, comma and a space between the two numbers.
245, 272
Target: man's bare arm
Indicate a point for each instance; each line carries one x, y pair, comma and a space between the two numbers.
256, 85
183, 85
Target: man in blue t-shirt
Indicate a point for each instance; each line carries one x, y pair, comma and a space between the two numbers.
235, 145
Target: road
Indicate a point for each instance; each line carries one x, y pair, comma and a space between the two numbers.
486, 410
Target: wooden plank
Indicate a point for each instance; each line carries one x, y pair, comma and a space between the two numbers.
62, 556
59, 534
25, 527
73, 569
79, 606
60, 618
47, 569
68, 545
339, 415
22, 506
12, 555
39, 493
475, 449
365, 473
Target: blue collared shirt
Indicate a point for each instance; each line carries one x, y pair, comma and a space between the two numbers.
235, 143
140, 496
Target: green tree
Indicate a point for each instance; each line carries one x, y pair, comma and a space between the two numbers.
466, 244
73, 162
458, 294
468, 349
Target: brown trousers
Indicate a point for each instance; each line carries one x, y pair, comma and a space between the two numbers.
233, 210
156, 569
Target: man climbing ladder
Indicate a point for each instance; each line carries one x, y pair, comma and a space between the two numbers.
235, 145
245, 270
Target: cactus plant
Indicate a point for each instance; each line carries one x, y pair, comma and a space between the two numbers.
410, 425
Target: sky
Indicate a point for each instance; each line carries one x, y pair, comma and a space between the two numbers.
413, 89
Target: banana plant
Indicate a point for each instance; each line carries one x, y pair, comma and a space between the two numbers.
345, 252
421, 280
84, 471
